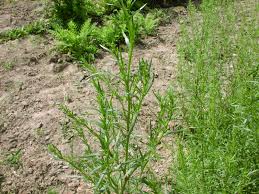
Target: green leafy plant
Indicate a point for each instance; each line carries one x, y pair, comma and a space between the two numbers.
218, 98
64, 11
37, 27
7, 66
52, 191
79, 42
82, 41
146, 24
81, 32
14, 158
78, 11
116, 161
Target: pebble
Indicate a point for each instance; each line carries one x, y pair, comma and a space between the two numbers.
30, 171
40, 125
47, 138
73, 184
145, 104
54, 59
9, 182
65, 167
24, 104
32, 73
34, 60
58, 67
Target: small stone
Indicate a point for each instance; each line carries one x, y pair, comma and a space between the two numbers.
153, 123
32, 73
24, 104
40, 125
160, 147
8, 182
60, 60
73, 184
58, 67
68, 58
13, 145
30, 171
34, 60
52, 179
145, 104
54, 59
81, 189
47, 138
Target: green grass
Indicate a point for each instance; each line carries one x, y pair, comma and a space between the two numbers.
52, 191
7, 66
218, 75
14, 159
37, 27
216, 100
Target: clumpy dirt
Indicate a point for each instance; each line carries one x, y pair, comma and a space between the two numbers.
37, 82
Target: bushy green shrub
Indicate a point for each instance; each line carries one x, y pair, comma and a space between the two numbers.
80, 42
146, 24
218, 74
78, 11
83, 40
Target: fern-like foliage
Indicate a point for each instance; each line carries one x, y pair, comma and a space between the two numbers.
79, 42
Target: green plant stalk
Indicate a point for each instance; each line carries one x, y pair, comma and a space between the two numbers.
119, 166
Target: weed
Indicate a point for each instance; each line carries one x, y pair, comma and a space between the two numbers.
218, 75
81, 35
217, 99
83, 43
80, 43
14, 159
146, 24
51, 191
78, 11
7, 66
116, 162
37, 27
39, 132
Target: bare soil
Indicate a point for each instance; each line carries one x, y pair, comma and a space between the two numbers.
39, 81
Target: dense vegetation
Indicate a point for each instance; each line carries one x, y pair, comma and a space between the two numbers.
82, 25
218, 100
214, 100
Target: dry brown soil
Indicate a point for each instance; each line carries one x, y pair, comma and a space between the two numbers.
38, 82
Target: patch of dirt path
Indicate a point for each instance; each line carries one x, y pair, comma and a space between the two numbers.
29, 97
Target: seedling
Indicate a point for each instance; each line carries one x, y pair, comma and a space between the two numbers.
14, 159
8, 66
37, 27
